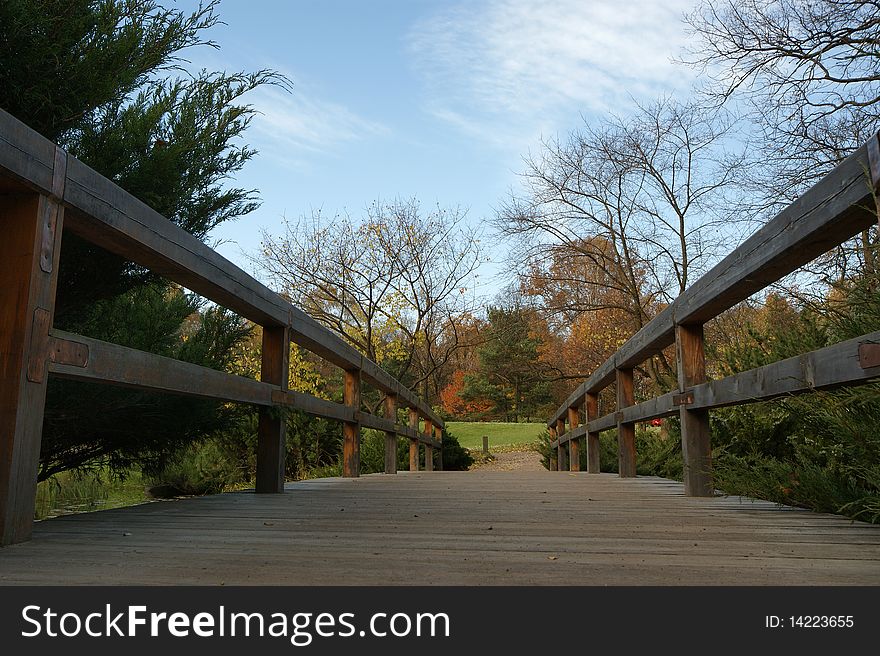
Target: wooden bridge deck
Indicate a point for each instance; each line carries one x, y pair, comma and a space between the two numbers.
452, 528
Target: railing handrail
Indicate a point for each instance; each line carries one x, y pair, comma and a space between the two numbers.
107, 215
747, 270
837, 208
54, 191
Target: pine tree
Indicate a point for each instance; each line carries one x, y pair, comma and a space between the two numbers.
103, 80
510, 372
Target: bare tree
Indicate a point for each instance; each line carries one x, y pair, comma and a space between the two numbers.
808, 73
637, 205
393, 283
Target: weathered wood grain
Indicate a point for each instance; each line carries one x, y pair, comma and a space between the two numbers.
389, 407
591, 410
429, 447
574, 455
695, 437
127, 367
413, 441
351, 430
598, 530
826, 368
25, 155
438, 436
271, 426
561, 451
27, 298
626, 431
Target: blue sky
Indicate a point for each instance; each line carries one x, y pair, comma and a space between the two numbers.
437, 100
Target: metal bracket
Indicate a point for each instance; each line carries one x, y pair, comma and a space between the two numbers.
686, 398
65, 351
869, 355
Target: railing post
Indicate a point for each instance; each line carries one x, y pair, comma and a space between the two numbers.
626, 432
554, 452
574, 451
592, 412
561, 451
695, 436
271, 427
414, 442
429, 450
29, 252
438, 434
391, 436
351, 430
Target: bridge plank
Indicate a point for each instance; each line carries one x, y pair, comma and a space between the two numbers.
601, 531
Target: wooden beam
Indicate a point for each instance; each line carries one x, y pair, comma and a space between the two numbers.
554, 449
126, 367
561, 451
413, 442
592, 410
26, 155
626, 431
827, 368
351, 430
272, 427
373, 374
390, 408
695, 436
574, 454
438, 435
29, 252
573, 435
429, 448
312, 405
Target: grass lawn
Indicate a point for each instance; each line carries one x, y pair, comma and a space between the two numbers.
470, 434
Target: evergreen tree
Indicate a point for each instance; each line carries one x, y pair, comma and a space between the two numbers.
510, 372
98, 77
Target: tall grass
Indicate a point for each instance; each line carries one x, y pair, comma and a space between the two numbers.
73, 492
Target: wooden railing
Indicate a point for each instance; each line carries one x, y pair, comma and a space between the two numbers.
838, 207
42, 189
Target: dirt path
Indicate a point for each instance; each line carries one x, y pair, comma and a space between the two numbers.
512, 461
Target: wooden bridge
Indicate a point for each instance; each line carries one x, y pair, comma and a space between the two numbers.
452, 528
412, 527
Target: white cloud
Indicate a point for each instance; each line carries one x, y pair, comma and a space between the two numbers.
301, 122
506, 66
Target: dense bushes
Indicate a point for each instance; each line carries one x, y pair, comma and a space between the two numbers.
820, 450
455, 457
314, 446
656, 454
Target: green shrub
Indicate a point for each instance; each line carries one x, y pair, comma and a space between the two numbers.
455, 456
199, 469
